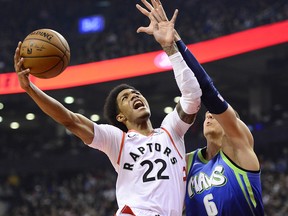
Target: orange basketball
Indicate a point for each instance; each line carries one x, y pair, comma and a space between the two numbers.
46, 53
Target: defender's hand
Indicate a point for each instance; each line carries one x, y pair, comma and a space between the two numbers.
156, 5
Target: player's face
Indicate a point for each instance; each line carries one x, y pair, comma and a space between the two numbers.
133, 106
211, 127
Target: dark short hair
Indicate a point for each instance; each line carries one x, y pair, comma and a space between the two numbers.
111, 108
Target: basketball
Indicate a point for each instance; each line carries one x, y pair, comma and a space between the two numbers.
46, 52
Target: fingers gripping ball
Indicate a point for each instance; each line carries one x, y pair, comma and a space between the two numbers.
46, 53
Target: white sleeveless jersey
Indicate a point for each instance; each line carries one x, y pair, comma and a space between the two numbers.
151, 169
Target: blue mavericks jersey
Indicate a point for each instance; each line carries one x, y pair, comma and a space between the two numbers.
220, 187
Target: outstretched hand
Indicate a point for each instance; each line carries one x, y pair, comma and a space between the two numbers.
160, 27
23, 74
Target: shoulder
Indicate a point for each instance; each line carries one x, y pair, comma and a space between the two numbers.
107, 128
105, 133
248, 164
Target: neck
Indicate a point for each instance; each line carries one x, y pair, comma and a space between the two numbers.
144, 128
213, 147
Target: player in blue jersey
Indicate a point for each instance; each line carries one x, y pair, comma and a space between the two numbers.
224, 177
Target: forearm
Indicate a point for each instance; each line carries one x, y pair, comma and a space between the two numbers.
48, 105
211, 98
187, 83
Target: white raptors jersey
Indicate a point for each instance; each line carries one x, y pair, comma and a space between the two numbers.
151, 169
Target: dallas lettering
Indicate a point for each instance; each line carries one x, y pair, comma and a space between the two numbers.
201, 182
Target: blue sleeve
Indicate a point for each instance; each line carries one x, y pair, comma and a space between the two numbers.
211, 98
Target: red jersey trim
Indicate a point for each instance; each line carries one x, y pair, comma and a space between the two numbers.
172, 142
121, 148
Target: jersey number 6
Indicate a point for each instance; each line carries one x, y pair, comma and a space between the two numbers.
210, 206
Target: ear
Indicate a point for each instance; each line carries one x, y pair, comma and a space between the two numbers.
120, 117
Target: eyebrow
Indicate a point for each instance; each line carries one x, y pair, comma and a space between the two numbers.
123, 95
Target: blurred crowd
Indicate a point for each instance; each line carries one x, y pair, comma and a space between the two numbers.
197, 21
91, 192
59, 194
275, 184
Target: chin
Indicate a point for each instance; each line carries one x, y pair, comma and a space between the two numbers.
209, 133
145, 115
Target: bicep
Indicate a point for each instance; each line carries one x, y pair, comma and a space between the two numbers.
237, 133
229, 122
81, 127
238, 142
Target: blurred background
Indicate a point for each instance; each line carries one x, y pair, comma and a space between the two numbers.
44, 170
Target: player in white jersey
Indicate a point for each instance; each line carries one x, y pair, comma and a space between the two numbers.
147, 164
150, 162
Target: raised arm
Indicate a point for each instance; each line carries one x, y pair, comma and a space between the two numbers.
76, 123
163, 32
238, 143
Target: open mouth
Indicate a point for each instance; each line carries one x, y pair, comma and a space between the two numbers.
138, 104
